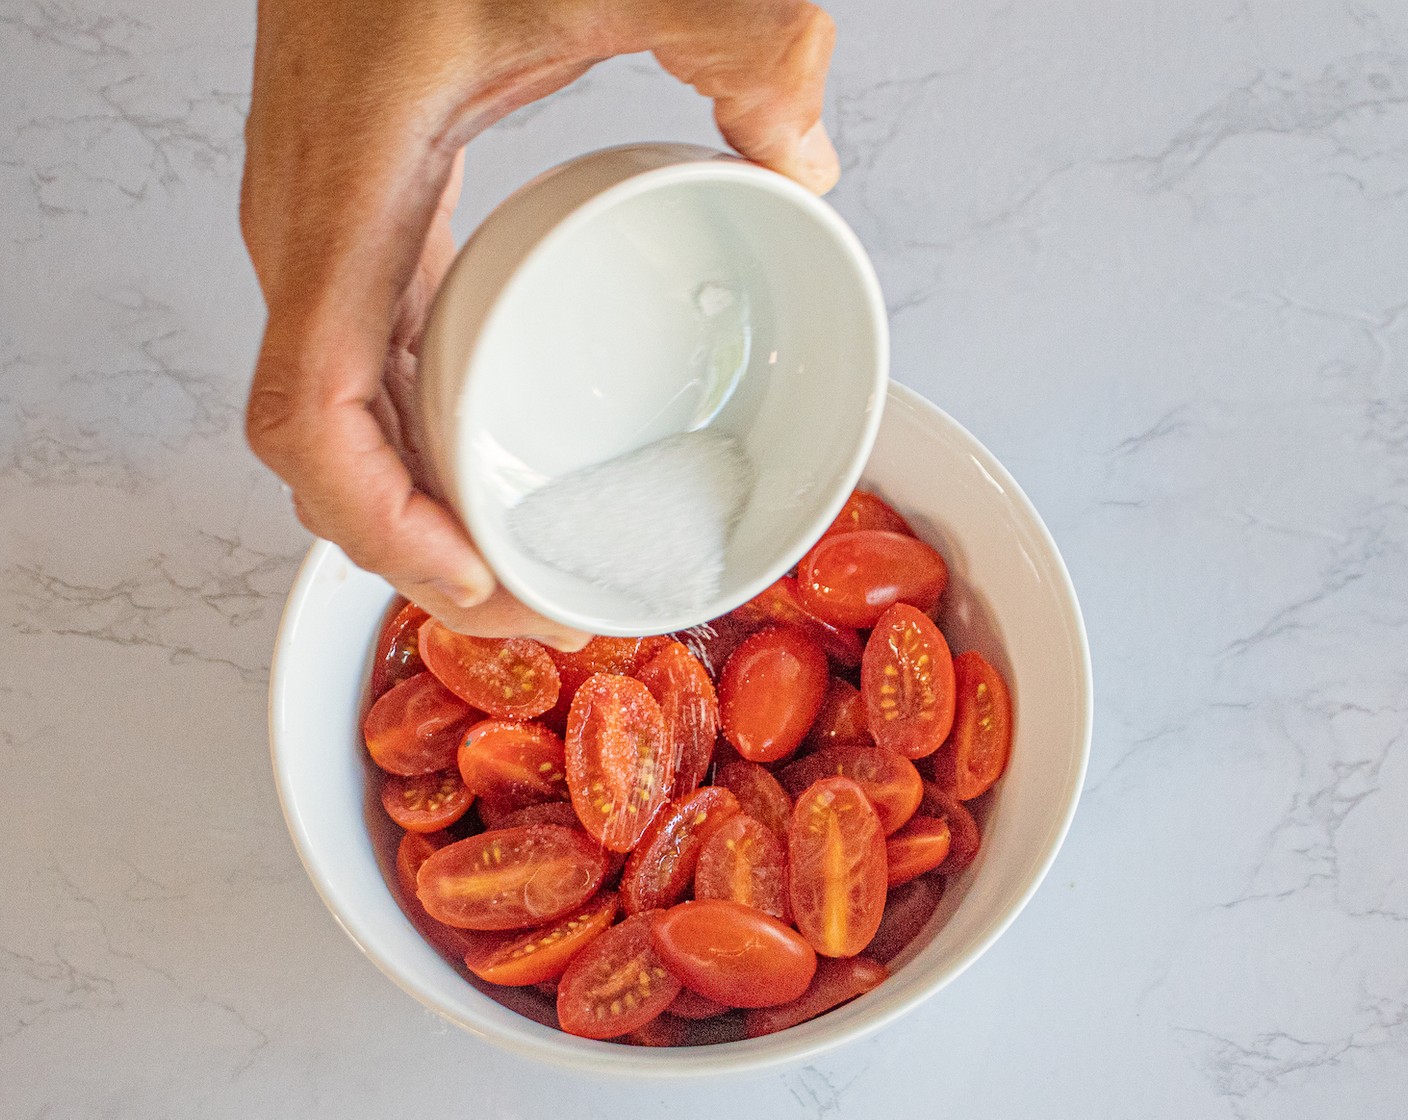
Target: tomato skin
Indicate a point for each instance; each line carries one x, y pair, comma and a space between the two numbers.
920, 846
415, 727
513, 678
616, 984
907, 683
842, 716
782, 603
619, 765
889, 780
427, 802
687, 700
733, 954
397, 656
981, 741
509, 765
759, 794
691, 1005
851, 579
771, 691
835, 982
864, 510
744, 862
543, 954
510, 878
908, 908
663, 1030
541, 812
662, 866
965, 839
836, 871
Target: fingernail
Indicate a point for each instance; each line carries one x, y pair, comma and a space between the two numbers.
816, 157
466, 594
569, 641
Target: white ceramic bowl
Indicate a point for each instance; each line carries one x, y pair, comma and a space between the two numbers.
1009, 596
637, 293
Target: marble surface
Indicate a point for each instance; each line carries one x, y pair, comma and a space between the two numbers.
1152, 255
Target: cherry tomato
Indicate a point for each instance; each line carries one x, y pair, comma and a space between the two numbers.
864, 510
543, 812
619, 767
686, 697
964, 835
415, 727
842, 716
415, 848
920, 846
744, 862
835, 982
836, 867
781, 603
889, 780
771, 691
508, 765
713, 642
732, 953
426, 802
907, 683
512, 678
691, 1005
981, 741
511, 878
660, 1031
908, 908
851, 579
600, 655
662, 866
543, 954
397, 655
616, 984
759, 794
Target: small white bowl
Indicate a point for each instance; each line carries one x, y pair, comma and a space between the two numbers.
1009, 596
631, 295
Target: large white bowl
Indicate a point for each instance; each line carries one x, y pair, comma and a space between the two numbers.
1009, 596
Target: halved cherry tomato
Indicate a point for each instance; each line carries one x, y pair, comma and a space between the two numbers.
771, 691
682, 688
426, 802
543, 954
851, 579
964, 835
619, 767
691, 1005
415, 727
415, 848
744, 862
759, 794
780, 603
889, 780
981, 742
908, 908
836, 867
907, 682
600, 655
662, 866
511, 878
617, 984
512, 678
508, 765
713, 642
842, 716
835, 982
920, 846
397, 655
864, 510
543, 812
733, 953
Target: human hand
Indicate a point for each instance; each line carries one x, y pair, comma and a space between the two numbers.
359, 116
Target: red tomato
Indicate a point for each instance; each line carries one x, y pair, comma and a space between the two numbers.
397, 655
662, 866
889, 780
713, 642
842, 716
981, 742
744, 862
426, 802
920, 846
619, 767
508, 765
543, 812
660, 1031
508, 677
907, 683
864, 510
415, 848
415, 728
836, 867
780, 603
908, 908
733, 954
771, 691
964, 836
835, 982
691, 1005
511, 878
851, 579
686, 697
600, 655
543, 954
617, 984
759, 794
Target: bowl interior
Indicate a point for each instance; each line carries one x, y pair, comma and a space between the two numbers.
1009, 597
730, 300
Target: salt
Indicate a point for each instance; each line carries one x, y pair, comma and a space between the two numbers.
653, 524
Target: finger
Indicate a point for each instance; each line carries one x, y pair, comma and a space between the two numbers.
503, 616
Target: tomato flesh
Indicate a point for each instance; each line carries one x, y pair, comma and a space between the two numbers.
981, 741
733, 953
864, 510
426, 802
662, 866
835, 982
889, 779
512, 678
543, 954
759, 794
509, 765
771, 691
397, 656
920, 846
907, 683
617, 984
415, 727
744, 862
687, 700
851, 579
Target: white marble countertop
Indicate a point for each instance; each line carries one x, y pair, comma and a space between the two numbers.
1153, 255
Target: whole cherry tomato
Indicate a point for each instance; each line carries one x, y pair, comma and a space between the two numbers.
851, 579
842, 716
907, 682
771, 691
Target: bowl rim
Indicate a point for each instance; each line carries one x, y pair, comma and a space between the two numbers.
797, 1045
